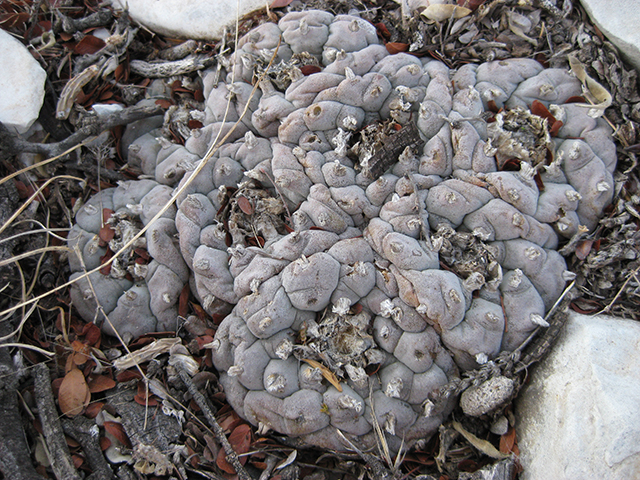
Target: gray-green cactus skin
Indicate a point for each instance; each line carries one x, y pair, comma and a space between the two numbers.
344, 318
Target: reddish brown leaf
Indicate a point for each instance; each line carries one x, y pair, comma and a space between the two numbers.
203, 340
71, 442
118, 74
194, 124
104, 259
470, 4
576, 99
538, 108
240, 440
143, 253
106, 233
164, 103
230, 421
555, 128
106, 95
198, 96
143, 397
586, 306
128, 375
14, 19
106, 214
397, 47
310, 69
93, 409
383, 31
100, 383
583, 249
142, 400
539, 183
508, 440
116, 429
92, 335
89, 45
104, 443
511, 165
55, 385
77, 461
542, 59
73, 393
245, 205
183, 301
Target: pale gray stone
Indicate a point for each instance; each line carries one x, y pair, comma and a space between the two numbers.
619, 24
197, 19
21, 85
578, 417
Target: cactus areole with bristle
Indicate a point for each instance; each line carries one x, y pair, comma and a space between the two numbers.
370, 231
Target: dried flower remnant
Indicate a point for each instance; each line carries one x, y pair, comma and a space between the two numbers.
324, 227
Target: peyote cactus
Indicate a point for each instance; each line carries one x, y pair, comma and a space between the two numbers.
373, 229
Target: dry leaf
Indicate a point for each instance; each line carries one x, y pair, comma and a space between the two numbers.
89, 45
245, 205
472, 4
117, 430
104, 443
100, 383
396, 47
508, 441
240, 440
145, 354
485, 447
74, 394
442, 12
288, 461
310, 69
600, 98
583, 249
93, 409
326, 373
230, 421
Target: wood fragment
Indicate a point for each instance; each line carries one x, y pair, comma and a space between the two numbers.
185, 66
206, 409
179, 51
390, 148
72, 89
61, 462
15, 462
85, 432
14, 144
97, 19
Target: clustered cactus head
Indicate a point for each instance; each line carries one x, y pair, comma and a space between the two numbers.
371, 231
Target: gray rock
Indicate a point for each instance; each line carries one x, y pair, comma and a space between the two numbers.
21, 85
578, 417
619, 24
197, 19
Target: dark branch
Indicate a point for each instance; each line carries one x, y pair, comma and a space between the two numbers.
13, 144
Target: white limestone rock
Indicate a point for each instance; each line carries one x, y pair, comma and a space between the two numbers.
196, 19
619, 24
579, 417
21, 85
